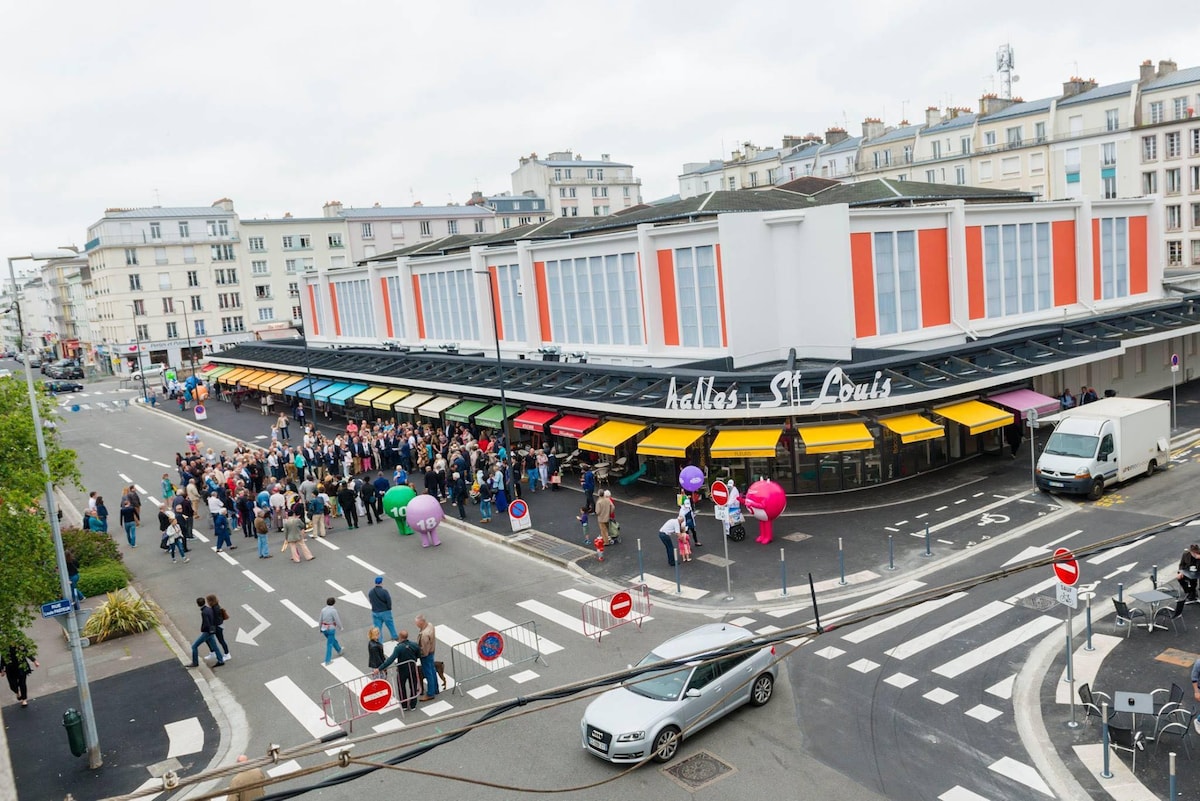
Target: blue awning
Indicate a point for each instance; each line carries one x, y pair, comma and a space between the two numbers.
325, 393
304, 387
346, 394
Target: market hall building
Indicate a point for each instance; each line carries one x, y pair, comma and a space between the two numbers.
833, 341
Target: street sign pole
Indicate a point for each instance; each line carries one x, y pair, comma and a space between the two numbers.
1174, 381
1073, 724
1066, 570
1032, 416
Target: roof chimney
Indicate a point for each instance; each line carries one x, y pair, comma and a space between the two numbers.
1146, 71
791, 140
1166, 67
932, 116
991, 103
224, 204
333, 208
835, 135
872, 128
1077, 86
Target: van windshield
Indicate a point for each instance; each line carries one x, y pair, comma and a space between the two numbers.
1080, 445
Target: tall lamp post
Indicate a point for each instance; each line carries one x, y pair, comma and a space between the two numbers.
487, 276
188, 330
90, 737
138, 340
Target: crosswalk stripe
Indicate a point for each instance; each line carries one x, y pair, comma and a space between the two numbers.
264, 585
1020, 772
960, 793
410, 590
1034, 590
989, 650
540, 609
447, 634
877, 599
298, 612
951, 629
497, 622
576, 595
307, 713
1100, 559
899, 619
367, 565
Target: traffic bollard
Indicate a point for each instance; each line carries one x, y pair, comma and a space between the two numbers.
1120, 597
783, 571
891, 553
1154, 576
928, 552
1172, 795
1088, 614
641, 567
1106, 774
73, 723
678, 586
841, 563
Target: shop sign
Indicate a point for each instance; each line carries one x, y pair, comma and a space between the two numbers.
836, 388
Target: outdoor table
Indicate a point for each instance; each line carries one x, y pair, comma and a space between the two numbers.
1153, 599
1135, 704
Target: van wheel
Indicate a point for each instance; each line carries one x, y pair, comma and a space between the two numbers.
1150, 468
1097, 490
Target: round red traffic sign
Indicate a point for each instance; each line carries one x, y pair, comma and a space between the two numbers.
490, 646
719, 493
1066, 568
518, 509
375, 695
620, 605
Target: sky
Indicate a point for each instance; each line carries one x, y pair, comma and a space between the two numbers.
283, 106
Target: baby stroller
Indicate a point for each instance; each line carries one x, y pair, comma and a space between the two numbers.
737, 527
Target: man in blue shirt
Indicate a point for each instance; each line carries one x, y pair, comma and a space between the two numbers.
589, 488
382, 485
381, 607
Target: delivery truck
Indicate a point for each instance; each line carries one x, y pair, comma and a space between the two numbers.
1104, 443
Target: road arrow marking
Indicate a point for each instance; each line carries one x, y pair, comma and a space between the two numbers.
1122, 569
1024, 556
358, 597
248, 637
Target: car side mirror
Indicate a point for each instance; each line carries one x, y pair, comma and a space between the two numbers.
692, 693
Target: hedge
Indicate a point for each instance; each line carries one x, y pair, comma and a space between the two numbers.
91, 547
103, 577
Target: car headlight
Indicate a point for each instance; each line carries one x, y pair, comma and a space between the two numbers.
1083, 472
631, 736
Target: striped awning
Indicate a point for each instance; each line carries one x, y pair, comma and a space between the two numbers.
668, 441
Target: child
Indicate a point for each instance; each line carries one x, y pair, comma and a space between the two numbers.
583, 521
685, 545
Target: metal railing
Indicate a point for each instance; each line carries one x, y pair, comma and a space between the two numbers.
494, 652
598, 614
342, 703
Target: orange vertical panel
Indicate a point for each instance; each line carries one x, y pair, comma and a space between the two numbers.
494, 295
666, 292
976, 299
312, 313
417, 302
337, 324
862, 275
1062, 233
543, 296
934, 250
1139, 278
387, 306
721, 297
1097, 286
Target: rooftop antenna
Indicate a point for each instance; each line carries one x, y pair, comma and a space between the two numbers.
1004, 66
157, 200
903, 109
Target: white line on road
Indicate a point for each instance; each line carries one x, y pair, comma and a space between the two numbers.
941, 508
264, 585
160, 464
992, 649
297, 702
497, 622
1020, 772
960, 793
878, 599
1064, 537
367, 565
110, 447
900, 618
227, 558
140, 489
923, 514
184, 737
964, 500
889, 528
571, 622
139, 456
1036, 588
199, 536
946, 542
578, 596
413, 591
121, 451
324, 542
1115, 552
942, 633
298, 612
125, 478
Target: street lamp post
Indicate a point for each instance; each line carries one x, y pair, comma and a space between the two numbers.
90, 737
138, 339
487, 275
187, 329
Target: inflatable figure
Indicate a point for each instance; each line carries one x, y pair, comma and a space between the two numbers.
395, 506
425, 514
691, 478
766, 501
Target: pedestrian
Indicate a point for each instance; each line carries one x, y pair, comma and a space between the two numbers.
318, 514
15, 665
485, 501
552, 468
427, 645
248, 779
221, 529
73, 576
330, 622
176, 544
237, 401
543, 468
261, 530
582, 517
347, 499
219, 618
1014, 432
672, 526
687, 510
100, 519
375, 655
208, 630
293, 537
366, 492
685, 545
407, 657
604, 514
381, 607
588, 482
598, 544
459, 494
1189, 566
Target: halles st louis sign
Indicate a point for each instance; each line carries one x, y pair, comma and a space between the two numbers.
836, 388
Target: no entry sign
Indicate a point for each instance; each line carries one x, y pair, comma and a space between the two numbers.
620, 605
375, 695
719, 493
1066, 568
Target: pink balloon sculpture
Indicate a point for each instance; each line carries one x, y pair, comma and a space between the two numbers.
425, 514
766, 501
691, 478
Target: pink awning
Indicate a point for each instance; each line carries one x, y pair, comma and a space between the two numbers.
1022, 400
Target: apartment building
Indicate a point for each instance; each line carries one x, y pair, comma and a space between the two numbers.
748, 167
513, 210
575, 187
379, 229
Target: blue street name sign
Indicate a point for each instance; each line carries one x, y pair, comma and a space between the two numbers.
56, 608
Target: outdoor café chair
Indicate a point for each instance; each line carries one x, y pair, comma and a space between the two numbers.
1123, 739
1091, 701
1173, 614
1124, 613
1179, 723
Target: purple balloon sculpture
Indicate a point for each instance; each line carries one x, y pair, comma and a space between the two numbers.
425, 514
691, 478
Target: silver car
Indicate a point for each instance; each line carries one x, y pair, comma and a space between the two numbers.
647, 715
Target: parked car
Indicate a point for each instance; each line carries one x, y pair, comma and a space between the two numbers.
149, 371
63, 368
58, 386
33, 359
5, 372
646, 715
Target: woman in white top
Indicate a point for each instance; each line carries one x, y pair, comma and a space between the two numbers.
330, 622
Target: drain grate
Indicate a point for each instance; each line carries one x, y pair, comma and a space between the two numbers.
1038, 602
699, 771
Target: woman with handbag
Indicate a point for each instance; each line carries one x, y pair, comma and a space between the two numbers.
15, 665
219, 617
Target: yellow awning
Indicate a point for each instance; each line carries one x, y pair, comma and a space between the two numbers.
912, 427
835, 437
977, 417
745, 443
606, 437
284, 380
266, 379
672, 442
235, 376
365, 397
387, 400
251, 379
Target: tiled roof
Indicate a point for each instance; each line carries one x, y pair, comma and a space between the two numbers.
804, 151
961, 121
907, 132
846, 144
1020, 109
1099, 93
1176, 78
418, 211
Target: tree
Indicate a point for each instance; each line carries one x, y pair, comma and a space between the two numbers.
28, 570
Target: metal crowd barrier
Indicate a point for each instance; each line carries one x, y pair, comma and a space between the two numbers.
630, 606
520, 644
342, 705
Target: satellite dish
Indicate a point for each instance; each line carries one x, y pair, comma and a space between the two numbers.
1016, 78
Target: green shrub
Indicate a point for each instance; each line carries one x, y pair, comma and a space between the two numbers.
103, 577
121, 614
90, 547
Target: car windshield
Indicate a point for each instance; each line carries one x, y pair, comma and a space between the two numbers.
661, 685
1079, 445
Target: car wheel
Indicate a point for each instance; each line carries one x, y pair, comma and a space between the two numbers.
1097, 490
666, 744
1150, 468
762, 690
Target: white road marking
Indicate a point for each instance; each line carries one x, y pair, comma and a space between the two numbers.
1044, 584
110, 447
923, 514
940, 696
668, 587
435, 708
284, 768
199, 536
184, 737
523, 676
139, 456
983, 712
1003, 688
900, 523
307, 713
576, 595
264, 585
1100, 559
941, 508
125, 478
979, 494
946, 542
413, 591
948, 631
227, 558
121, 451
483, 691
160, 464
1029, 553
964, 500
300, 613
1020, 772
875, 600
540, 609
367, 565
889, 528
830, 652
863, 665
990, 650
900, 618
492, 620
140, 489
325, 542
388, 725
900, 680
960, 793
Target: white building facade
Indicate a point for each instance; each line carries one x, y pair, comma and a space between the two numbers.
575, 187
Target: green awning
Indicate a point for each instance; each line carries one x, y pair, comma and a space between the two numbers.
463, 412
493, 416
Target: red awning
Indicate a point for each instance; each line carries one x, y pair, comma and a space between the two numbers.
533, 419
573, 425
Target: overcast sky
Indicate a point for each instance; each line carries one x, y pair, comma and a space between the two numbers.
282, 106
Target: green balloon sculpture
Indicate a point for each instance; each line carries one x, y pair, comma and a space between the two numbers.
395, 506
